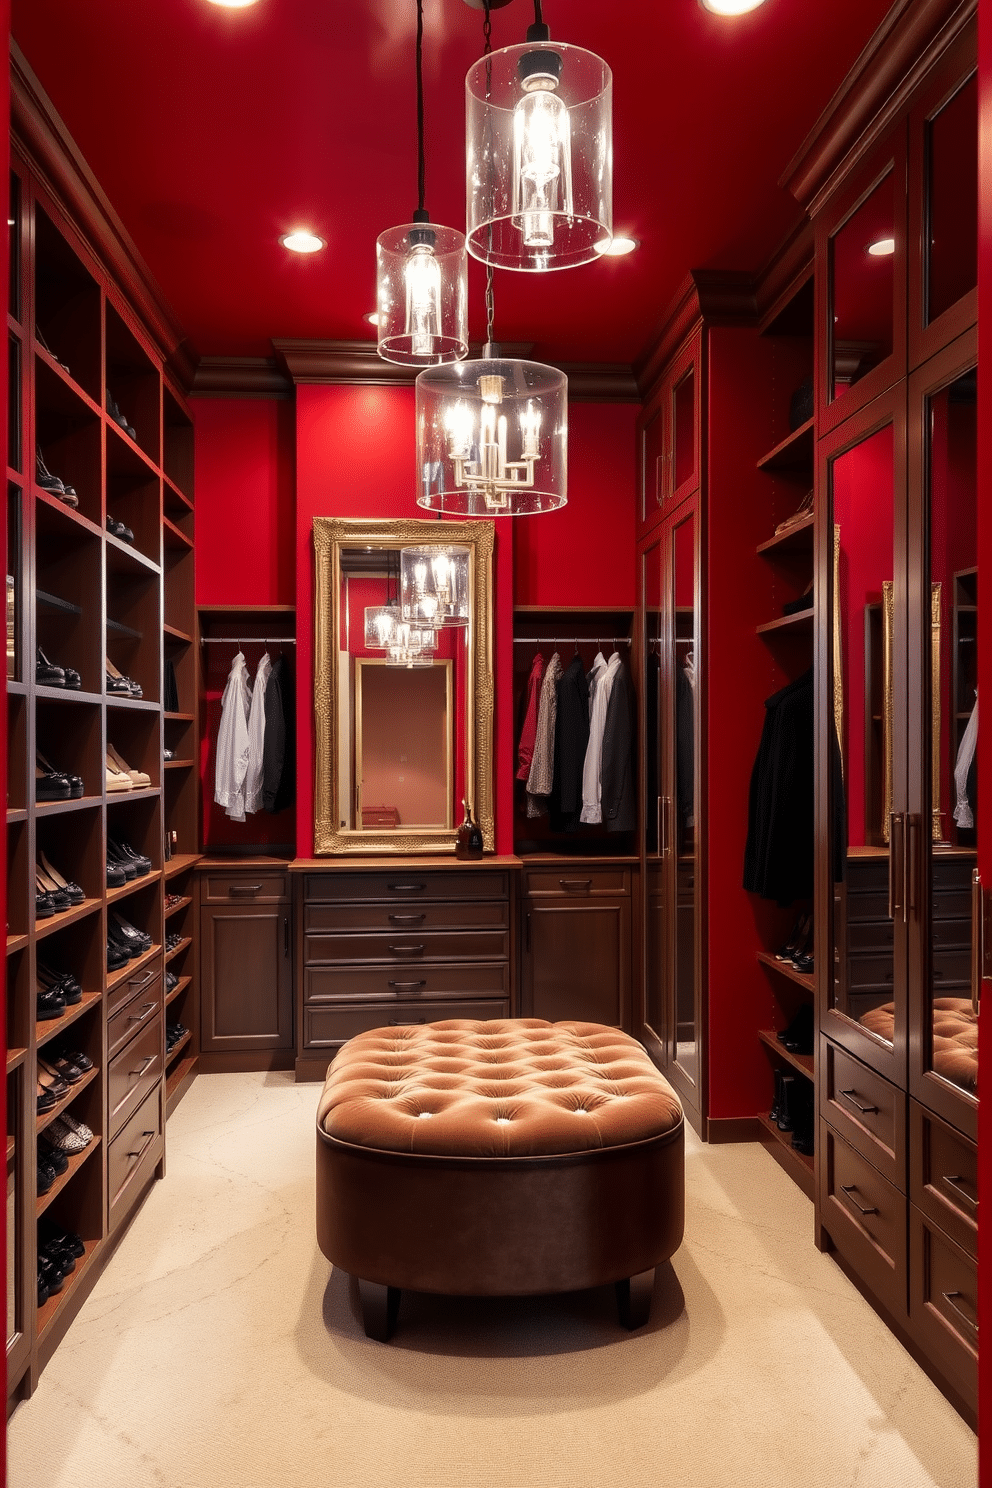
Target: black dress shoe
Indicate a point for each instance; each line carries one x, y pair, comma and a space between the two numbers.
116, 877
121, 686
118, 529
117, 956
50, 1004
117, 416
44, 1100
65, 980
68, 988
127, 866
123, 852
68, 1241
52, 787
796, 937
50, 1251
44, 768
44, 909
785, 1120
78, 1058
47, 675
46, 1176
52, 1275
130, 933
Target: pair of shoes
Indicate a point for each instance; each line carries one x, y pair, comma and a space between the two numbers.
174, 940
59, 1067
52, 1157
797, 935
49, 782
52, 1082
39, 337
68, 1135
51, 483
116, 765
116, 956
798, 1037
123, 856
120, 685
61, 1052
171, 981
53, 897
63, 982
49, 1003
117, 416
174, 1034
118, 529
47, 674
44, 1099
64, 1240
126, 936
51, 1277
55, 883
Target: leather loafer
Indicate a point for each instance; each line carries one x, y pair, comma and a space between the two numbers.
44, 909
124, 853
78, 1058
44, 1100
47, 675
63, 981
52, 787
116, 956
46, 1176
67, 1241
63, 1068
119, 685
50, 1004
52, 1275
130, 933
58, 1257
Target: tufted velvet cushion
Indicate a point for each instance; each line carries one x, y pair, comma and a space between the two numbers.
512, 1087
955, 1037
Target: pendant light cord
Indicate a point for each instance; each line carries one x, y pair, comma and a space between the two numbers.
487, 35
421, 165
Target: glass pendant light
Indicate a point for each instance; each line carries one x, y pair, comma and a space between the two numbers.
421, 274
434, 584
539, 170
380, 625
411, 646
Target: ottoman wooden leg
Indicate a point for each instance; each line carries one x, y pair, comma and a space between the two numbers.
634, 1299
380, 1306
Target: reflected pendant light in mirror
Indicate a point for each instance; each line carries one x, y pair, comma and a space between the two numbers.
411, 646
421, 274
434, 584
539, 154
380, 625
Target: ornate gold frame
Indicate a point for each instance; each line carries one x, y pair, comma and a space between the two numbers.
330, 534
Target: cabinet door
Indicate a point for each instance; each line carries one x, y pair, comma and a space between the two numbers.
246, 977
670, 435
943, 702
865, 833
576, 961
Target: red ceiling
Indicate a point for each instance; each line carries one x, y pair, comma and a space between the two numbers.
213, 131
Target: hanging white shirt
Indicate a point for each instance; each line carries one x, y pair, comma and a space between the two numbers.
600, 687
232, 741
256, 737
963, 814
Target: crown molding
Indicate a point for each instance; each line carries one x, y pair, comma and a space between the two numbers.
40, 137
358, 363
911, 38
240, 377
789, 267
720, 296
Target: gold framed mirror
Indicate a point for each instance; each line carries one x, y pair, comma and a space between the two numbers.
355, 565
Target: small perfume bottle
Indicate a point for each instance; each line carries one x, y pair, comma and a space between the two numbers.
468, 838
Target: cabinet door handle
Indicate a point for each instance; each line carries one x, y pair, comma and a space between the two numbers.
408, 986
912, 856
977, 940
139, 1017
954, 1182
148, 1135
527, 943
405, 888
897, 904
850, 1189
865, 1110
576, 883
969, 1322
404, 1022
409, 950
143, 1066
285, 935
244, 888
411, 919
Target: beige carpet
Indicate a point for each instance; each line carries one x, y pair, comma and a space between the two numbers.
218, 1350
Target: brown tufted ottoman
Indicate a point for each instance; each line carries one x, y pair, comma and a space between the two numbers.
509, 1158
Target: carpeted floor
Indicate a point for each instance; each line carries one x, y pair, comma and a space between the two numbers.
218, 1350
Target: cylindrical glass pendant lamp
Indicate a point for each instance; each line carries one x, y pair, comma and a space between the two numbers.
539, 182
422, 294
380, 626
434, 585
492, 438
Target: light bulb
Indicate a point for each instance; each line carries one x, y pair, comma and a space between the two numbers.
530, 430
422, 274
542, 156
302, 241
458, 427
882, 247
440, 566
384, 625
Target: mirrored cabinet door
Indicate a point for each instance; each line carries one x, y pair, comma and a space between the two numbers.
865, 758
682, 835
944, 783
655, 1020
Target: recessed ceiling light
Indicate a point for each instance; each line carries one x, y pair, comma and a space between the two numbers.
730, 7
301, 241
616, 248
882, 247
372, 317
233, 4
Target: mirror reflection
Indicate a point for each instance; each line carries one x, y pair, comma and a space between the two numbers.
684, 833
862, 289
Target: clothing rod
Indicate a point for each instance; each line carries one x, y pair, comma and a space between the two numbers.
248, 641
573, 640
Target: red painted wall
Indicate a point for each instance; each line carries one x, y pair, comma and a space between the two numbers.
5, 156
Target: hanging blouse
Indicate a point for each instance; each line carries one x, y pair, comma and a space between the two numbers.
525, 749
256, 737
540, 777
963, 814
600, 687
232, 741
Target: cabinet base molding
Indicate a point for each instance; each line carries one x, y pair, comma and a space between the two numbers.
244, 1064
732, 1129
313, 1069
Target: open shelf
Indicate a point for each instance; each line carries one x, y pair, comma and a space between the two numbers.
802, 1062
50, 1029
800, 622
798, 1166
179, 862
76, 1161
126, 890
178, 1081
171, 909
59, 921
794, 452
174, 1053
45, 1118
50, 1310
176, 950
798, 538
802, 979
178, 989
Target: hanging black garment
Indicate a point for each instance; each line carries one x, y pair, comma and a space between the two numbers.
778, 856
652, 718
279, 746
618, 792
571, 738
170, 692
685, 762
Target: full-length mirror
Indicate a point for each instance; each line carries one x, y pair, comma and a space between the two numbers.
404, 723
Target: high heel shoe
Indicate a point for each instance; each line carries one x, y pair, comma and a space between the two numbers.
75, 781
49, 785
75, 893
796, 936
58, 900
118, 683
117, 779
138, 777
47, 673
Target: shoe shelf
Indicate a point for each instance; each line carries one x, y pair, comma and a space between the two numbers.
66, 695
173, 909
128, 453
798, 1165
801, 1062
119, 629
187, 940
15, 1058
45, 1118
179, 862
802, 621
17, 943
136, 964
795, 539
16, 689
126, 890
794, 452
179, 764
179, 717
174, 538
59, 808
46, 1031
125, 797
180, 637
123, 557
17, 814
176, 1050
56, 512
50, 1311
178, 1080
178, 989
802, 979
131, 705
53, 602
76, 1161
59, 921
177, 503
57, 376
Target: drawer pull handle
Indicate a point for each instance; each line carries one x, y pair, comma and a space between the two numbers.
408, 986
969, 1322
405, 888
407, 950
149, 1136
411, 919
244, 888
865, 1110
405, 1022
146, 1008
141, 981
849, 1189
954, 1181
576, 883
142, 1067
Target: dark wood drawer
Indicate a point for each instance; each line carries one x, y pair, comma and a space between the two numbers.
124, 1024
465, 914
943, 1303
951, 970
405, 884
951, 935
132, 987
866, 1110
331, 984
865, 1216
867, 907
262, 887
870, 935
134, 1152
328, 1027
407, 946
870, 971
578, 882
944, 1180
133, 1072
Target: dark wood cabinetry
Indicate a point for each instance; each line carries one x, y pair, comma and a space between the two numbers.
396, 943
246, 964
576, 952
